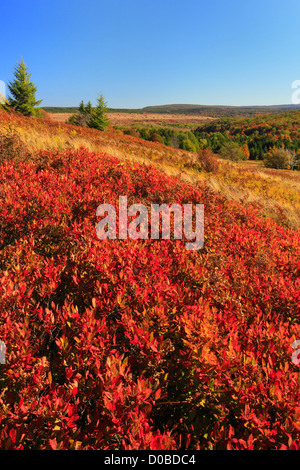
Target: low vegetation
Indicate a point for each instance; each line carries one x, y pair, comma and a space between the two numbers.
140, 344
282, 159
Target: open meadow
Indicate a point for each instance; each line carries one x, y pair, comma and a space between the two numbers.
179, 121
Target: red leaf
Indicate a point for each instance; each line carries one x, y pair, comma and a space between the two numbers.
53, 443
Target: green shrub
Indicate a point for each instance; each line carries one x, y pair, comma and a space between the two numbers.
232, 151
278, 158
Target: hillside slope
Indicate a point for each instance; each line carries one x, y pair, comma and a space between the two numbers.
138, 344
275, 192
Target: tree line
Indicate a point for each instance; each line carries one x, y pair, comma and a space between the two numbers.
277, 144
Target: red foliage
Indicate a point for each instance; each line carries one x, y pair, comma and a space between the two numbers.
123, 344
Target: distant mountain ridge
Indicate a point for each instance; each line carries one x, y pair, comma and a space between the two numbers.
216, 111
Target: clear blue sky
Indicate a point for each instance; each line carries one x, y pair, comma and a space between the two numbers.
150, 52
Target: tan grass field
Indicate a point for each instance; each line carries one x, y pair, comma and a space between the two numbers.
129, 119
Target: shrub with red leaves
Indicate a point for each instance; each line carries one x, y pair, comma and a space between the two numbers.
140, 344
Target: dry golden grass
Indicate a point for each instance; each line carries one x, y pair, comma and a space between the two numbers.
59, 117
129, 119
145, 119
276, 192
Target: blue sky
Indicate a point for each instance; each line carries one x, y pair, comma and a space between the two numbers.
150, 52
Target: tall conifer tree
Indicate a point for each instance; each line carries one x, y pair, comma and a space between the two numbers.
99, 118
22, 92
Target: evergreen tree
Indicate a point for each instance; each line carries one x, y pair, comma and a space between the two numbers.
83, 117
88, 108
82, 107
22, 92
99, 118
87, 116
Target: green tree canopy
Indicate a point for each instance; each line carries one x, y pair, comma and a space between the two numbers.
232, 151
22, 92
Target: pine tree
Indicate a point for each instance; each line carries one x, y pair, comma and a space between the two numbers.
82, 107
99, 118
22, 92
87, 116
83, 116
88, 108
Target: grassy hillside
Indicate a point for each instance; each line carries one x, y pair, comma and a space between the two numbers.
140, 344
275, 192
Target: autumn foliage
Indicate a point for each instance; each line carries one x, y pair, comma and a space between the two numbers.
140, 344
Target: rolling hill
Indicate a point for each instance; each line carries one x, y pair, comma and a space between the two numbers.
219, 111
